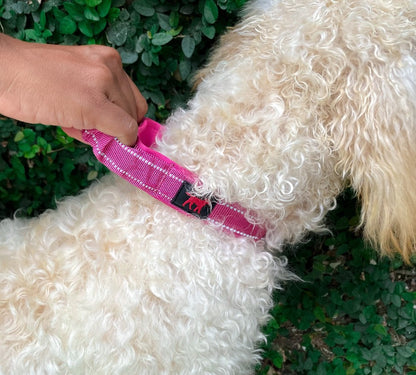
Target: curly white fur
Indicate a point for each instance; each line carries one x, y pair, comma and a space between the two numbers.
298, 100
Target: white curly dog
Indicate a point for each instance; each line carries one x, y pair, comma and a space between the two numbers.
300, 99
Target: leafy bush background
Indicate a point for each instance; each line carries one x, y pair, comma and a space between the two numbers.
353, 314
161, 44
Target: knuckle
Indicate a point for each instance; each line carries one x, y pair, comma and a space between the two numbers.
102, 52
103, 74
106, 62
143, 108
109, 55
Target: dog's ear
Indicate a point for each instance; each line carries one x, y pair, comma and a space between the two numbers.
376, 137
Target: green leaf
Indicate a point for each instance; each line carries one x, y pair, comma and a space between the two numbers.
409, 296
32, 35
321, 369
19, 136
18, 167
405, 351
155, 58
124, 15
99, 26
46, 34
375, 370
164, 21
93, 3
187, 9
185, 68
18, 6
91, 14
117, 33
160, 39
174, 19
319, 314
147, 58
92, 175
188, 46
339, 370
104, 8
142, 43
403, 323
210, 11
277, 359
396, 300
380, 329
128, 57
67, 25
76, 11
209, 31
86, 28
42, 20
175, 32
38, 28
157, 97
143, 8
44, 145
34, 150
352, 357
67, 168
113, 14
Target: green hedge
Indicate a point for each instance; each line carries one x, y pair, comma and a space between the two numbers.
353, 314
161, 44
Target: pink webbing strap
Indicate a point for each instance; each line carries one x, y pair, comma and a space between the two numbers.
165, 180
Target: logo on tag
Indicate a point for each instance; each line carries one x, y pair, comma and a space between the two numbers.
197, 206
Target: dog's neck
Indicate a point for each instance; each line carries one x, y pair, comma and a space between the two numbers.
247, 144
249, 163
251, 139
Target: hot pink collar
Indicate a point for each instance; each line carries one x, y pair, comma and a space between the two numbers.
165, 180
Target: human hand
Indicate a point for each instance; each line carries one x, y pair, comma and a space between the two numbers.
75, 87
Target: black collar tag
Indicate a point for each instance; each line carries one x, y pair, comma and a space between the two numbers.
197, 206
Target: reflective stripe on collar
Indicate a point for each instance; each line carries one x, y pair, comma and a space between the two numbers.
165, 180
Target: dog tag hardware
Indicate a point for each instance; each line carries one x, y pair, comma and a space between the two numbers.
197, 206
